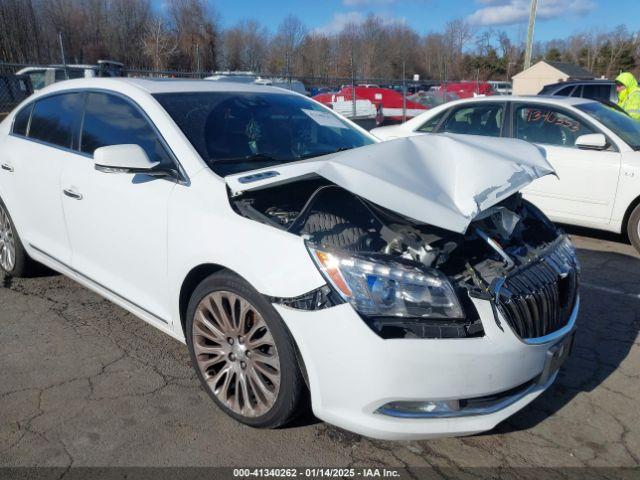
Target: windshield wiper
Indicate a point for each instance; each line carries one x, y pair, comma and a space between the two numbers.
320, 154
256, 157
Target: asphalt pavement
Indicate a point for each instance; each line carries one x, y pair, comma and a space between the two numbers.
84, 383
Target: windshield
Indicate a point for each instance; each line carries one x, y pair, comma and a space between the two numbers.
620, 123
235, 132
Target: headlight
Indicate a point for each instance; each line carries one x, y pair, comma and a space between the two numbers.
391, 289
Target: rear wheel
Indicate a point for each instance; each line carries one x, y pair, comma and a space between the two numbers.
14, 260
633, 228
243, 354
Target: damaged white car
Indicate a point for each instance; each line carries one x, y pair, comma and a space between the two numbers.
405, 288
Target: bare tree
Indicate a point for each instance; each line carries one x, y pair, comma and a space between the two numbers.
196, 27
291, 33
158, 43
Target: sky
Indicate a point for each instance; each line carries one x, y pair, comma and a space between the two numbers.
556, 18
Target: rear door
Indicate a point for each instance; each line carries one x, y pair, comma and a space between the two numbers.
117, 222
35, 154
587, 179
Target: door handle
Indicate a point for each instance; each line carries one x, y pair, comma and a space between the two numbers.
72, 193
7, 167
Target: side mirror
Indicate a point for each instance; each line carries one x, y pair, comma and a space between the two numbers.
126, 158
592, 141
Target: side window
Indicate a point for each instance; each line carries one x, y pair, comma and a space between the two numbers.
481, 119
55, 119
566, 91
596, 92
21, 120
111, 120
577, 92
547, 125
430, 125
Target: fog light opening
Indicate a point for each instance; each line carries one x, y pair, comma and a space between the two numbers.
421, 408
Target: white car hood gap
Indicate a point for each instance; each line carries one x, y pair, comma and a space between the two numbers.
442, 180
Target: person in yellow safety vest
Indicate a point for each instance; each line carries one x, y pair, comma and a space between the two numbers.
628, 94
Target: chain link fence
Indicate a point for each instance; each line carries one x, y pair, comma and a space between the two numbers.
13, 89
383, 106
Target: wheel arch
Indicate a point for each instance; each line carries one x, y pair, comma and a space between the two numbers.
627, 215
195, 276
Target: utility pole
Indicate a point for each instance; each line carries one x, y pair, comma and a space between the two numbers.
198, 60
353, 85
404, 92
532, 23
64, 61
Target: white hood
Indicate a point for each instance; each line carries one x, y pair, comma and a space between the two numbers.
442, 180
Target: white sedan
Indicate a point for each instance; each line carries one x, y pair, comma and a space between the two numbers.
411, 298
595, 150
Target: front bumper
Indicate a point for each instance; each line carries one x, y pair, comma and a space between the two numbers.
353, 372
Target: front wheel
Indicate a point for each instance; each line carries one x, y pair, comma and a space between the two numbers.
633, 228
243, 354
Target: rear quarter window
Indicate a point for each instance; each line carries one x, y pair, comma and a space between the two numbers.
21, 121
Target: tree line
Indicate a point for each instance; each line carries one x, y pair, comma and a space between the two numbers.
187, 35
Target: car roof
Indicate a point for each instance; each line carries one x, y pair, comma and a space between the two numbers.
548, 99
525, 98
599, 81
162, 85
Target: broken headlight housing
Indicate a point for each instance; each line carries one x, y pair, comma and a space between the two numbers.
380, 287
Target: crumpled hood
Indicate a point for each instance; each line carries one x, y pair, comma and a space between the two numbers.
442, 180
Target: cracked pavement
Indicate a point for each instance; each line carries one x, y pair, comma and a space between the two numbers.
84, 383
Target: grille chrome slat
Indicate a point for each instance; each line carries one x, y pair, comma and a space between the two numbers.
538, 298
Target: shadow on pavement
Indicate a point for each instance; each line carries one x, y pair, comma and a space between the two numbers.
596, 234
608, 326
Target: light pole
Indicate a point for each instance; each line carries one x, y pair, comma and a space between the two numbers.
532, 23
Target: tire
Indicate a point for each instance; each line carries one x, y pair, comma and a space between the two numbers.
633, 228
262, 385
14, 260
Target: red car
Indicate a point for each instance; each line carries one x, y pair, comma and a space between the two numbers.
469, 89
387, 102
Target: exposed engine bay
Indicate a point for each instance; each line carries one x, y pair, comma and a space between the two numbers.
500, 239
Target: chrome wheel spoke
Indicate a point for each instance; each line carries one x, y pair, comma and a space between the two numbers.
264, 340
236, 353
259, 357
220, 313
260, 387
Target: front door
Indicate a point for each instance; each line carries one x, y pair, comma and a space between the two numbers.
585, 187
117, 222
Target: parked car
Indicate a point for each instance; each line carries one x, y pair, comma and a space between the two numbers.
406, 285
501, 88
468, 89
13, 90
603, 90
388, 104
42, 76
433, 98
594, 148
288, 84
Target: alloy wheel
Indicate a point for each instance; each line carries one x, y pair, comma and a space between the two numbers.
7, 242
236, 354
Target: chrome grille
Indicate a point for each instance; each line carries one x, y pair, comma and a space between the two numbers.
538, 298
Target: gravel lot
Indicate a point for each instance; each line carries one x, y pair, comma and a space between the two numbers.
84, 383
